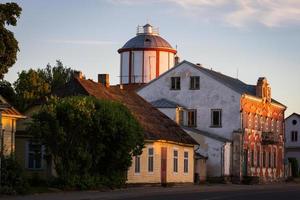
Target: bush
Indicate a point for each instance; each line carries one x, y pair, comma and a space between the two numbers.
13, 180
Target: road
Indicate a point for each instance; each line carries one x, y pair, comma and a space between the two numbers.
202, 192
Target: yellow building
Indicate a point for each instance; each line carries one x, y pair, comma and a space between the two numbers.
8, 118
168, 156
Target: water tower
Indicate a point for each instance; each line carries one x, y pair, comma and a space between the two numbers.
145, 56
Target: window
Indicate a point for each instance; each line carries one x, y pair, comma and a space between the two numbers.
195, 83
34, 156
175, 83
137, 168
180, 118
270, 159
294, 122
175, 161
258, 158
186, 162
150, 159
252, 158
294, 136
192, 117
216, 117
274, 160
264, 159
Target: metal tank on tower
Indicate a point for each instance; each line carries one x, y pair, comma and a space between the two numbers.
145, 56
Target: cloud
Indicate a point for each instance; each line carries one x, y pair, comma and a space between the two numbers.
82, 42
238, 13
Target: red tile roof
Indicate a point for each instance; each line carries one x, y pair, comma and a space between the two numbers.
156, 125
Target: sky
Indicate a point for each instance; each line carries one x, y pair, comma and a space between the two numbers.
246, 39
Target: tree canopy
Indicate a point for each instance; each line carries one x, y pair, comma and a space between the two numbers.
32, 85
7, 91
88, 139
9, 13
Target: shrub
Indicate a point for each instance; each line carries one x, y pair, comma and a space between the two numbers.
13, 180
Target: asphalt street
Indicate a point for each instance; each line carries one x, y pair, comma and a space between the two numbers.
283, 191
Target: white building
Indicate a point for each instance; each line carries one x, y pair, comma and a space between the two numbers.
292, 140
214, 109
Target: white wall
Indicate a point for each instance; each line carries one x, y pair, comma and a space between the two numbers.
170, 112
289, 127
137, 57
212, 95
149, 65
163, 61
292, 148
124, 67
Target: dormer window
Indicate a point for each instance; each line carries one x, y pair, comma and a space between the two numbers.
175, 83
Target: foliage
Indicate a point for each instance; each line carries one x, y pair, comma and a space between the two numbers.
58, 75
7, 91
91, 141
9, 13
32, 85
13, 180
295, 167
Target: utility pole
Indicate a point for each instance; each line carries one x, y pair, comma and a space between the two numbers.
2, 108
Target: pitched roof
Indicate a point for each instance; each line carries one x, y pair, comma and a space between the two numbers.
233, 83
164, 103
206, 134
296, 114
156, 125
9, 110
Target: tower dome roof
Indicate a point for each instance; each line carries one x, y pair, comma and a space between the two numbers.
147, 38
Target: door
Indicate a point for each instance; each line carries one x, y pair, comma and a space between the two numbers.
245, 163
163, 165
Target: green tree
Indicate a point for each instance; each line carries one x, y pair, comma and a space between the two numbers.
30, 87
7, 91
58, 75
9, 13
90, 141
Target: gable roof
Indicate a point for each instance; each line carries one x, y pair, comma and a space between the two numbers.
156, 125
165, 103
206, 134
233, 83
8, 110
296, 114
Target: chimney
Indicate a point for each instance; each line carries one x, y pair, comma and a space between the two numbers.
177, 59
78, 74
103, 79
263, 89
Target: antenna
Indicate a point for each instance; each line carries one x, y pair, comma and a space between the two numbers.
237, 73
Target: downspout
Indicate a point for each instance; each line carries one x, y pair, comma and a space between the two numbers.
242, 142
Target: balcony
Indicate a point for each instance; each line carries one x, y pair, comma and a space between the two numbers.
269, 138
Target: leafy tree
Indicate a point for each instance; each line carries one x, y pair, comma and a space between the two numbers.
30, 86
9, 13
7, 91
58, 75
90, 141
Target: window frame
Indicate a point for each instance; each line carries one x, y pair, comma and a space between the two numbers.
175, 161
177, 84
194, 124
186, 162
212, 125
151, 160
137, 165
30, 152
294, 136
194, 82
